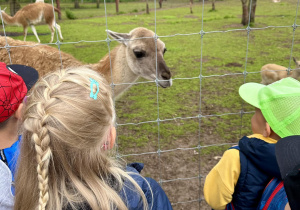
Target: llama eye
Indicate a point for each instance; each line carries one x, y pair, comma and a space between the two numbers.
139, 54
165, 50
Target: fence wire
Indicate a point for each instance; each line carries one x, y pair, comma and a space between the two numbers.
202, 33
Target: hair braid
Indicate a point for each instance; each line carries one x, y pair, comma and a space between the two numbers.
41, 140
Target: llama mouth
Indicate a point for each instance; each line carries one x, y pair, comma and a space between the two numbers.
165, 83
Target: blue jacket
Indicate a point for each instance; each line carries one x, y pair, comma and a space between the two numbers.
258, 167
160, 200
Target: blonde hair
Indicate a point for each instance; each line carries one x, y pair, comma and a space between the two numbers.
61, 163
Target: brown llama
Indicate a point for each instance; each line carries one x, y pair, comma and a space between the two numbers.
273, 72
135, 57
31, 15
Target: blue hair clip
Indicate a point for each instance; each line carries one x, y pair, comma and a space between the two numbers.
92, 94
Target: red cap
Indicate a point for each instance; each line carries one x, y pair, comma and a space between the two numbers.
12, 91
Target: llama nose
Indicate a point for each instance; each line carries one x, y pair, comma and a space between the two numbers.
166, 75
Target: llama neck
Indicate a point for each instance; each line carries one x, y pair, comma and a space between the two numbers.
8, 19
119, 72
296, 73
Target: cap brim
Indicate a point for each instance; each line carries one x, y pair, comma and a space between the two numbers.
287, 154
249, 92
28, 74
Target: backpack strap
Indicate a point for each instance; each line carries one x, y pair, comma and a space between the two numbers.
230, 206
275, 191
274, 196
235, 147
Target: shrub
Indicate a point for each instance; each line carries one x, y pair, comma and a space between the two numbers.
70, 14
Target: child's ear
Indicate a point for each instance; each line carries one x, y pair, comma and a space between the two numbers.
112, 140
19, 113
267, 130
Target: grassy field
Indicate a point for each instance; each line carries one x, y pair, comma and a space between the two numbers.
220, 52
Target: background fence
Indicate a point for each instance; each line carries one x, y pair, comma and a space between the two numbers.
181, 132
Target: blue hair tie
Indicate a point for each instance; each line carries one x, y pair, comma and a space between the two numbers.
92, 94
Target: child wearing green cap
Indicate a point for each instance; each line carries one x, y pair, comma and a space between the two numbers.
238, 180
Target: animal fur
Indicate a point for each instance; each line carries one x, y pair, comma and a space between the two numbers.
273, 72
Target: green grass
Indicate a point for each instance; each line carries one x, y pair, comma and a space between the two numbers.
222, 53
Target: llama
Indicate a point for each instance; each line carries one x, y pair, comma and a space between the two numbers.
31, 15
133, 58
273, 72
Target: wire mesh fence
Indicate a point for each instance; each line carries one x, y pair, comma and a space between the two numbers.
179, 146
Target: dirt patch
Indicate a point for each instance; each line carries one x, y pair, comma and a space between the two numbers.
234, 65
206, 59
179, 171
264, 53
10, 33
234, 25
13, 34
81, 46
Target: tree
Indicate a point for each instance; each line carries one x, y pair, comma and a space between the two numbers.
14, 7
160, 3
246, 10
98, 3
76, 4
213, 5
117, 6
245, 16
253, 8
191, 6
58, 7
147, 7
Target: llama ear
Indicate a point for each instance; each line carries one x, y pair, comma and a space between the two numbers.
120, 37
295, 60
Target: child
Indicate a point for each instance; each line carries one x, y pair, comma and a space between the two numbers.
64, 160
15, 81
240, 177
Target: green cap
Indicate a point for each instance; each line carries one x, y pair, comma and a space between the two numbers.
279, 102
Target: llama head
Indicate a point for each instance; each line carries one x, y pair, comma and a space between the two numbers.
3, 10
141, 55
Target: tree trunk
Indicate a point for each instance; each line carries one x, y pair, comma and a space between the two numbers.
160, 4
98, 3
117, 6
245, 17
191, 6
76, 4
253, 7
213, 5
147, 7
58, 7
14, 7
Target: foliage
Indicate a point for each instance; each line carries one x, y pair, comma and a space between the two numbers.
70, 15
